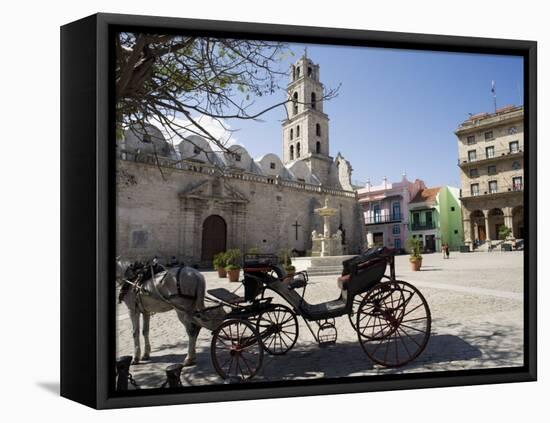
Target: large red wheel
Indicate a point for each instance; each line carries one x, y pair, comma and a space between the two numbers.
278, 329
393, 323
236, 350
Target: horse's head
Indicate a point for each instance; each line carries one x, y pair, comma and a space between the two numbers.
127, 271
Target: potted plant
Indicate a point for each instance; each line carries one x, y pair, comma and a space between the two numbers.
415, 246
287, 263
219, 262
233, 267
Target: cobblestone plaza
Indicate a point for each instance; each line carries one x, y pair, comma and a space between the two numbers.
476, 302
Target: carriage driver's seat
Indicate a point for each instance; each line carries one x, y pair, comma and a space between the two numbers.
362, 272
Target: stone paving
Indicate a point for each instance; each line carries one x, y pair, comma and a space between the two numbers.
476, 301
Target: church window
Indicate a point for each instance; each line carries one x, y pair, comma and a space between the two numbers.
318, 147
238, 157
309, 71
313, 100
272, 165
295, 102
297, 130
293, 73
147, 139
297, 150
298, 72
318, 130
291, 152
291, 134
196, 150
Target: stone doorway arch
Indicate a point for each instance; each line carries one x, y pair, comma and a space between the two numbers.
477, 221
496, 222
214, 237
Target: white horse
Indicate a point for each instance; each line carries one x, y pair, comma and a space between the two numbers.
159, 290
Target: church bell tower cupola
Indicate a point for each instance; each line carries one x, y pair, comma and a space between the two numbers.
305, 131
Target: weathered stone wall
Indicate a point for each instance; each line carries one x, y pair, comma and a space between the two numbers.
161, 214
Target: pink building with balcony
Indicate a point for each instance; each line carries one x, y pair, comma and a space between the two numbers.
386, 211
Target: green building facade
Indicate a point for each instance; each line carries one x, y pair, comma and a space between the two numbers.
435, 218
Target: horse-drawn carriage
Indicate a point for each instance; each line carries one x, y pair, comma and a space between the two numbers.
391, 317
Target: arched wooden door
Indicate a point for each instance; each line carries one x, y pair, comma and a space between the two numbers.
214, 237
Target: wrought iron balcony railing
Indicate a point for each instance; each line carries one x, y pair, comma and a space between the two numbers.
491, 155
383, 218
422, 226
501, 189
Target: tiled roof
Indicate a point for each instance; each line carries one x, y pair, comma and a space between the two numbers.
426, 195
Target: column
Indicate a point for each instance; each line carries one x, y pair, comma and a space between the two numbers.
467, 225
487, 232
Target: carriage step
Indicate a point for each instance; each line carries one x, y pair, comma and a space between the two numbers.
226, 295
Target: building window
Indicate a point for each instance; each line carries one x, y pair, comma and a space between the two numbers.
318, 147
396, 230
471, 155
474, 189
513, 130
452, 208
396, 211
297, 131
238, 157
517, 183
471, 139
491, 170
488, 135
297, 150
516, 165
493, 187
490, 152
272, 165
291, 152
514, 146
456, 231
313, 100
318, 130
474, 173
309, 71
298, 72
146, 139
397, 243
291, 134
295, 100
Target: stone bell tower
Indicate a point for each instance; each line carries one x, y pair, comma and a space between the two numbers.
305, 131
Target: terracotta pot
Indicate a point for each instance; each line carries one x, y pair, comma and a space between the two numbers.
234, 275
222, 273
416, 265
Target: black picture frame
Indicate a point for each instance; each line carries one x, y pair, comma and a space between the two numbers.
87, 209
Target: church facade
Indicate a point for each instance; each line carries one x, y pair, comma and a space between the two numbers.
191, 202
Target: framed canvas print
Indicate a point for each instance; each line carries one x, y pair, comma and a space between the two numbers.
258, 211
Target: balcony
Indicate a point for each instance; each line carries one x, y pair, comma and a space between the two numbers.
383, 218
422, 226
483, 156
499, 190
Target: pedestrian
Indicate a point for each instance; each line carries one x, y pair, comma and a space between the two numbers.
447, 253
443, 251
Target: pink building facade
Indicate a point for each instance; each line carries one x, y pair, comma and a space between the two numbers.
386, 211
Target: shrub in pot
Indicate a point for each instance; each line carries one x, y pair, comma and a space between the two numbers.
219, 262
415, 258
233, 272
233, 267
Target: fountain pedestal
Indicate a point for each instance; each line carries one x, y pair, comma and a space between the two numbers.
326, 244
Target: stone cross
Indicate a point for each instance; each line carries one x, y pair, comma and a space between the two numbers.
296, 226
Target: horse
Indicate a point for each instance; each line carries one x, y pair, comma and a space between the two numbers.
150, 288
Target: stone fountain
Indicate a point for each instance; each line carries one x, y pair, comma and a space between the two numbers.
326, 244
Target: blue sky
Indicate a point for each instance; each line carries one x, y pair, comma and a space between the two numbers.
396, 110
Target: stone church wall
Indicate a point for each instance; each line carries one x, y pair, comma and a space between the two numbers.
162, 214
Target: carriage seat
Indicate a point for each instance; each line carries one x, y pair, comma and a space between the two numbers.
371, 270
226, 295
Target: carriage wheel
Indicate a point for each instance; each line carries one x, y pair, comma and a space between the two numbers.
393, 323
278, 329
236, 350
354, 308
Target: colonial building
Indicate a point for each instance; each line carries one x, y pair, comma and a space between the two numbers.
191, 202
436, 219
490, 158
386, 211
